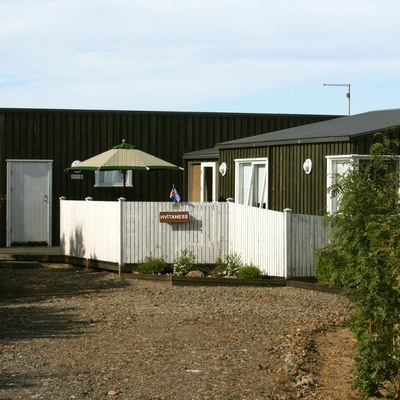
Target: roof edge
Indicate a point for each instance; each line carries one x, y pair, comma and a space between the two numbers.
283, 142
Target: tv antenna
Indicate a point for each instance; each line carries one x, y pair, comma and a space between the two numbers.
342, 84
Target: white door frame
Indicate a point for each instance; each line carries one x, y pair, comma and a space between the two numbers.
47, 198
212, 165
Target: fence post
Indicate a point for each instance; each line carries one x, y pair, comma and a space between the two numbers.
121, 235
87, 256
287, 242
228, 235
62, 240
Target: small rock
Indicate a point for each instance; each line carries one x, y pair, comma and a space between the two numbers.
196, 274
306, 381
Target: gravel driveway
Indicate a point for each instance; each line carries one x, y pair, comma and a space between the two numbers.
71, 333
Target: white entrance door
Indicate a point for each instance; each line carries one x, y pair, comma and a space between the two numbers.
29, 194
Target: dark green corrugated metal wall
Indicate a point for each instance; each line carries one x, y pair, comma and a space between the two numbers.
67, 135
288, 185
226, 184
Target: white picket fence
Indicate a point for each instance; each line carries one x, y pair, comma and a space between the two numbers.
282, 244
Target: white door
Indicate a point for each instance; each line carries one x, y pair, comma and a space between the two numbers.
29, 194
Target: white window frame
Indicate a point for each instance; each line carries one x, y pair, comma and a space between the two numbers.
101, 182
352, 160
248, 192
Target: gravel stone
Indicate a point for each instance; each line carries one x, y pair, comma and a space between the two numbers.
73, 333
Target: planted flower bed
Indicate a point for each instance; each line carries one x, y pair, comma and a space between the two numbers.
211, 281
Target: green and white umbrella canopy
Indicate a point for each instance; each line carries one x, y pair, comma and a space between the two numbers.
123, 157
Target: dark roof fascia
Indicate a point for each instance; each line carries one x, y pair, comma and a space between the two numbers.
284, 142
151, 112
210, 153
201, 157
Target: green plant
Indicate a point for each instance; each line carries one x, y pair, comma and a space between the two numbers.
328, 260
184, 262
152, 266
363, 256
249, 272
230, 266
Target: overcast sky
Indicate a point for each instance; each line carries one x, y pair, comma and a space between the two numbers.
261, 56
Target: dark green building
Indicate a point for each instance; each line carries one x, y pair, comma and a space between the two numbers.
290, 168
37, 145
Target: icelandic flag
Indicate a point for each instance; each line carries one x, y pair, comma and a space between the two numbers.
174, 195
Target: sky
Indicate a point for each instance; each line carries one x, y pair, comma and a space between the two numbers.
247, 56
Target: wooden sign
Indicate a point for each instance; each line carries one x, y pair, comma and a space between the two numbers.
174, 217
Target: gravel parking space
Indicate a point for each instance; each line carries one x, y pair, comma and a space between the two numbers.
71, 333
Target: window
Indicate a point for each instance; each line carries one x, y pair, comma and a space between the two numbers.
338, 166
113, 178
251, 182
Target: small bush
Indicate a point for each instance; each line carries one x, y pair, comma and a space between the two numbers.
185, 262
249, 272
152, 266
328, 263
230, 266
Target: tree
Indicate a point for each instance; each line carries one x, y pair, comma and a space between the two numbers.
364, 257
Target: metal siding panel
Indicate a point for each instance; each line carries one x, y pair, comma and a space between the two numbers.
289, 186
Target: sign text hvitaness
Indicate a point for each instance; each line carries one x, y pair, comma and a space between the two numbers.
174, 217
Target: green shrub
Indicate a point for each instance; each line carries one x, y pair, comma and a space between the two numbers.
230, 266
249, 272
328, 262
364, 237
185, 262
152, 266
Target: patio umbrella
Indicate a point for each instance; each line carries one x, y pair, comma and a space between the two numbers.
123, 157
